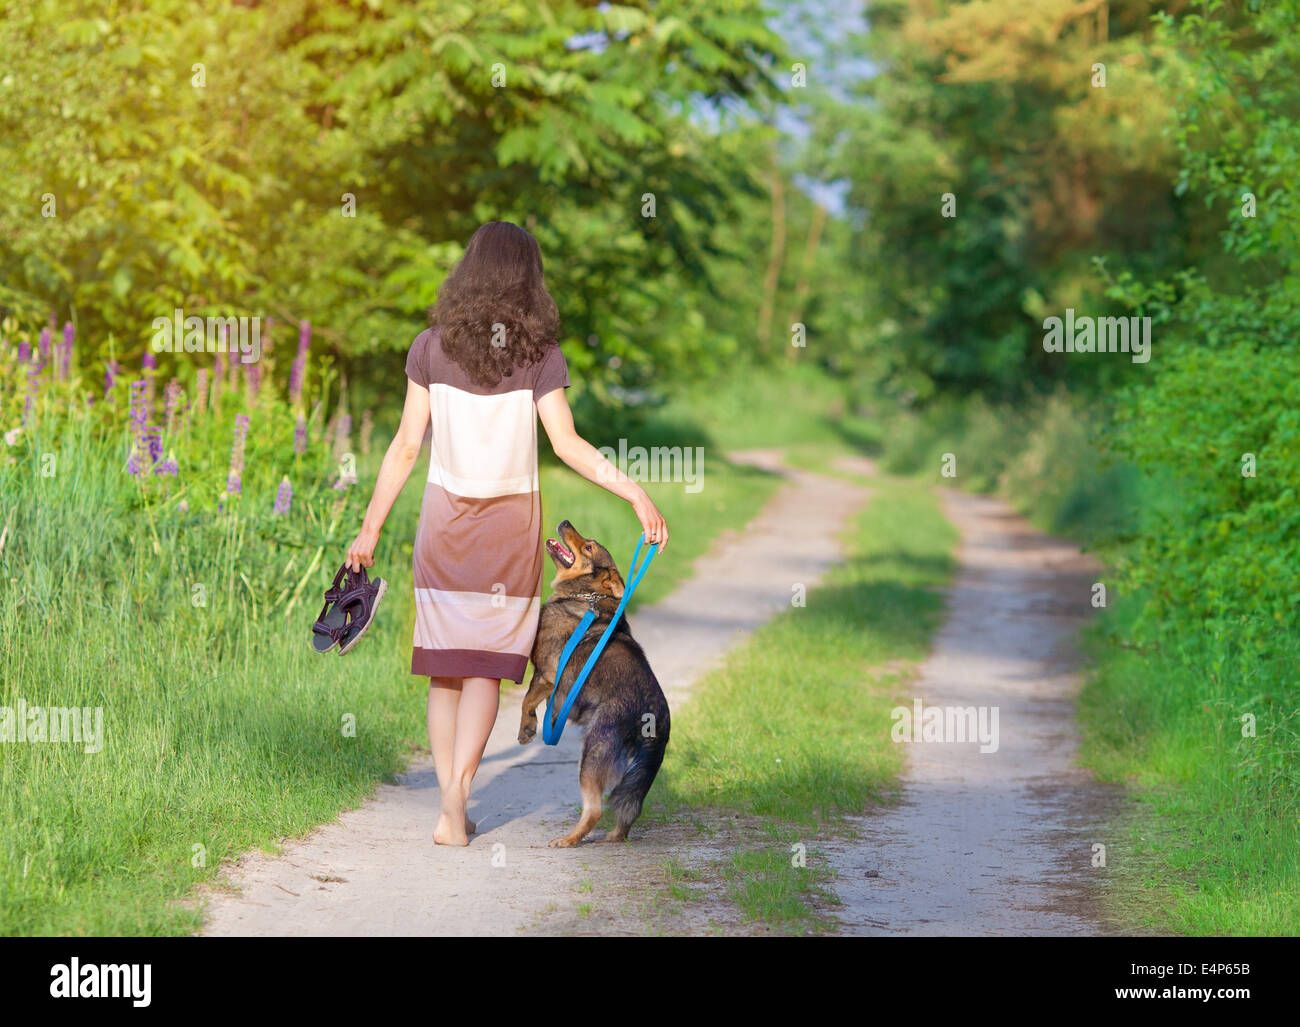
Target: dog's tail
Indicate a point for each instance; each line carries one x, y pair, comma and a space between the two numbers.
630, 793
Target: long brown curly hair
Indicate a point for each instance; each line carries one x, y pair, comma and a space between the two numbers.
498, 282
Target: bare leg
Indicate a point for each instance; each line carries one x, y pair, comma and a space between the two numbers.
475, 712
444, 703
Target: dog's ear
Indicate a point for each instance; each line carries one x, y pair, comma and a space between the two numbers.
614, 582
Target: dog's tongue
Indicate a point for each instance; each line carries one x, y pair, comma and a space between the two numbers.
560, 549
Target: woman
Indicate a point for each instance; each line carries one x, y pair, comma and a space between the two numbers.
488, 359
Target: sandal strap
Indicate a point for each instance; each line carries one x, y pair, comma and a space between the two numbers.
334, 633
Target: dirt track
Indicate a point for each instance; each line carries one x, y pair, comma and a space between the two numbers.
991, 843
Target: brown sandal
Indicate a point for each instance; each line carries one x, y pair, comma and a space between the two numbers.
350, 605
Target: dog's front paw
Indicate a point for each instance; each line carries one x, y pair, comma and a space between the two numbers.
528, 730
562, 843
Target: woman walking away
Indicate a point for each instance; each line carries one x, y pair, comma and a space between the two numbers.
488, 359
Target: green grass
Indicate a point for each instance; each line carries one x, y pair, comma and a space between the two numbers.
767, 885
1214, 828
793, 730
787, 406
224, 731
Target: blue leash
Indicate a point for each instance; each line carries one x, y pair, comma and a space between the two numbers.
553, 725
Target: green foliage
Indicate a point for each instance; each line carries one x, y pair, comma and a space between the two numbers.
1217, 544
223, 188
995, 104
1047, 455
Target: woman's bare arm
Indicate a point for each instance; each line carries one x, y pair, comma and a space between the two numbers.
402, 453
583, 457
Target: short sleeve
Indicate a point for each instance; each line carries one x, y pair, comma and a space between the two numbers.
417, 366
552, 373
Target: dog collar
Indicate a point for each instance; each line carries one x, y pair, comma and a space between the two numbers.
590, 597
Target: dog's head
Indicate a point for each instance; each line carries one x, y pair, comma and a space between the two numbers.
582, 564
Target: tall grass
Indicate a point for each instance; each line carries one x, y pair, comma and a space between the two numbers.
222, 730
1207, 733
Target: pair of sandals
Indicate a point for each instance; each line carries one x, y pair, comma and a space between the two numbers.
349, 610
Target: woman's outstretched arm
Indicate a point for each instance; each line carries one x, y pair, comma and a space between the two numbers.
583, 457
402, 453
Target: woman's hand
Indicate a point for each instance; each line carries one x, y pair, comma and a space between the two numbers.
362, 551
652, 521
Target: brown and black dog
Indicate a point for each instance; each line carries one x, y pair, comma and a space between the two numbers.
621, 707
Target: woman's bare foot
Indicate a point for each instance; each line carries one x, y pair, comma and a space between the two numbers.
454, 827
444, 835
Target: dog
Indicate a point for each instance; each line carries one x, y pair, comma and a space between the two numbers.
621, 707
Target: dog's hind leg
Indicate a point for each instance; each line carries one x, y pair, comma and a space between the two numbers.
629, 794
593, 775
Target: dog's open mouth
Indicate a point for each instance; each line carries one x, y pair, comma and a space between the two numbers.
559, 553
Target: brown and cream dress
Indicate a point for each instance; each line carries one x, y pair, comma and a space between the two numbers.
478, 548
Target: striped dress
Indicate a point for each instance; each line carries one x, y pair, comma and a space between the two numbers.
478, 549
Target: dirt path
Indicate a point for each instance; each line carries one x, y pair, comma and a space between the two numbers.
376, 871
996, 843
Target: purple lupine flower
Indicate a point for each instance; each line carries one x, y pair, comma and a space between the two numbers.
139, 405
234, 484
24, 351
300, 361
139, 415
253, 381
284, 496
172, 401
168, 467
150, 361
65, 354
45, 346
153, 443
300, 437
200, 390
33, 374
111, 371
